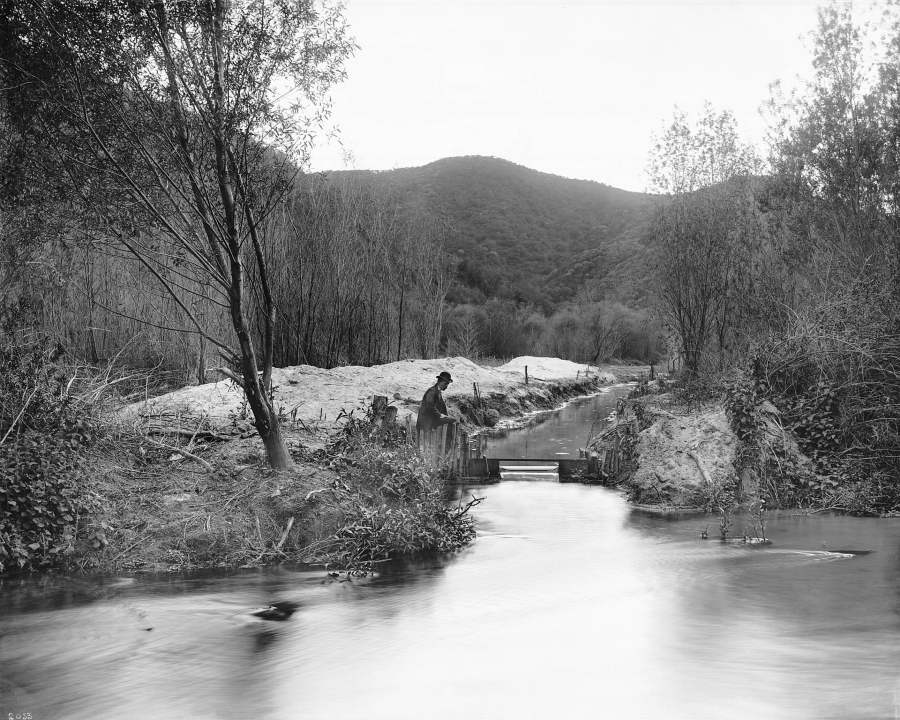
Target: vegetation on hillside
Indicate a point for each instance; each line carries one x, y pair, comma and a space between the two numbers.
515, 232
537, 264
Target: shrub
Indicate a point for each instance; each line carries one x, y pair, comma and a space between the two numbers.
694, 391
41, 437
392, 503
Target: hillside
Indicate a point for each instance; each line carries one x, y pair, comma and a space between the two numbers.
528, 235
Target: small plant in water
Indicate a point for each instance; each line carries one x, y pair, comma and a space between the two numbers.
725, 521
758, 514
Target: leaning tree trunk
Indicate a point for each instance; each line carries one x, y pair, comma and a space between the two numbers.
255, 390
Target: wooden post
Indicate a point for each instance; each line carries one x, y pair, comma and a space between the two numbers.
463, 454
479, 404
379, 405
439, 443
526, 374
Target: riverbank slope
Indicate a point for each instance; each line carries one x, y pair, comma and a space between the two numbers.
680, 454
677, 457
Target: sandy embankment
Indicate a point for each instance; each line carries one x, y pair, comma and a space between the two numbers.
318, 396
672, 450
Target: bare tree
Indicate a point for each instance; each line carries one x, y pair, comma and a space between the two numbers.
463, 335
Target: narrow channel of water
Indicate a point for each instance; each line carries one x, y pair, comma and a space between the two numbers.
559, 433
570, 604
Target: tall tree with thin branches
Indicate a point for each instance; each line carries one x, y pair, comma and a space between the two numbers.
181, 126
705, 170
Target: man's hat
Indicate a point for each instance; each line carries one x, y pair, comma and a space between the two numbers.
445, 376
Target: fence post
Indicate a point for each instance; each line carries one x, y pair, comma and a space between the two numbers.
463, 457
379, 406
526, 374
440, 444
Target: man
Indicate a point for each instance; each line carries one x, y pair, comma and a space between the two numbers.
433, 410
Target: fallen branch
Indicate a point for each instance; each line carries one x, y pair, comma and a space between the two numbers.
193, 434
231, 375
700, 467
132, 546
463, 509
287, 530
182, 452
312, 493
19, 416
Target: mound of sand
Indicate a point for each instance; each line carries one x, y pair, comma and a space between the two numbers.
549, 368
314, 394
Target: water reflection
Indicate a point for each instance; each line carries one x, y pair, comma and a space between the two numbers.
569, 605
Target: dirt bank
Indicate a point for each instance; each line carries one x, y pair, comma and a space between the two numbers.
675, 457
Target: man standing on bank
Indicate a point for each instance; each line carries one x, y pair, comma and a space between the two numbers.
433, 410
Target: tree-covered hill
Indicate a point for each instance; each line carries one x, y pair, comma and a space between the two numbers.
526, 235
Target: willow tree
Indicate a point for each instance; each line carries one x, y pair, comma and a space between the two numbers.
181, 126
702, 230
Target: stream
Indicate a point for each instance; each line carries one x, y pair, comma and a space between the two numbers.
570, 604
558, 433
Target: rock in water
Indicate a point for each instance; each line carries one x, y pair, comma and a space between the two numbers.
281, 610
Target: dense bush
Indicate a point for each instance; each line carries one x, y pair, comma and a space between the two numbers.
831, 388
392, 503
41, 435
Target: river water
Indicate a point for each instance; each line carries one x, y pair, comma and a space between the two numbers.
558, 434
570, 604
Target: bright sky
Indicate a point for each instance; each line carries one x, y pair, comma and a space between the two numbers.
572, 88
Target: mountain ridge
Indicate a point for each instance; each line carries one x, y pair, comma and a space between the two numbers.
525, 234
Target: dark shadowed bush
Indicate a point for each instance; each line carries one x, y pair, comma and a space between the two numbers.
41, 436
392, 504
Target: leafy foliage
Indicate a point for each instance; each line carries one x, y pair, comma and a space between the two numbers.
706, 234
742, 399
393, 504
42, 432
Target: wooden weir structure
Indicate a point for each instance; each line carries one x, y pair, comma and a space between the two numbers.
465, 454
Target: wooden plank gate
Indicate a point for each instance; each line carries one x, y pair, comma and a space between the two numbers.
465, 455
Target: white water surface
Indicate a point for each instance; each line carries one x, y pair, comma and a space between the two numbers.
569, 605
